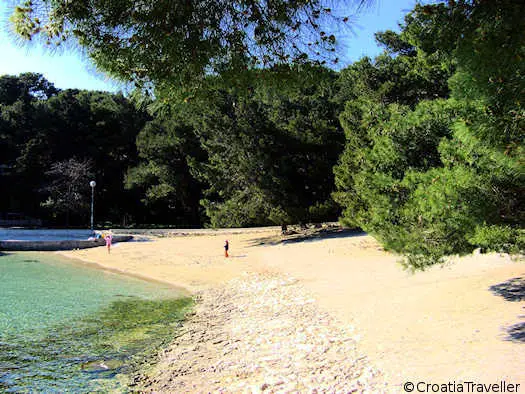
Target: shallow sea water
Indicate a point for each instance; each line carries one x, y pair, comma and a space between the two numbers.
21, 234
67, 327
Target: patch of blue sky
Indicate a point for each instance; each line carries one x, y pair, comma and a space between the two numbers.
70, 69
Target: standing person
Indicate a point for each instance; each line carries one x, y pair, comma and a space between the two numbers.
108, 239
226, 247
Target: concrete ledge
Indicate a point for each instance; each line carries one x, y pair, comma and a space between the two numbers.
58, 245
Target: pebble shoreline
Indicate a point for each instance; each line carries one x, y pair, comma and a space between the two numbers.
262, 334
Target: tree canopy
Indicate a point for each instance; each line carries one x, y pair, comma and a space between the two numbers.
177, 43
431, 170
261, 156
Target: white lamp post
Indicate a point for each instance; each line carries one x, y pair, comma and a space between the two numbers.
92, 184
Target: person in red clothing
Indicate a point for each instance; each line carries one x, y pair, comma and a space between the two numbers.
226, 247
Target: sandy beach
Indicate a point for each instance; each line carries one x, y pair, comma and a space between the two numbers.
332, 314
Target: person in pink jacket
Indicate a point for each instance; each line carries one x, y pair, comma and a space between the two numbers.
109, 239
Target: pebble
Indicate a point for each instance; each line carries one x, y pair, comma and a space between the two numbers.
283, 343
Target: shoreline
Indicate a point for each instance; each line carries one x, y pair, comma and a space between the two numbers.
85, 262
441, 324
161, 260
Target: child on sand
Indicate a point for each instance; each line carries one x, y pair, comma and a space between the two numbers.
108, 239
226, 247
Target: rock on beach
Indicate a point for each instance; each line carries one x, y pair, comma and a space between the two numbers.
262, 333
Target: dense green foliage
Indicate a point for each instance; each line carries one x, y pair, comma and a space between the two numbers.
41, 127
167, 146
270, 157
432, 173
231, 157
262, 155
425, 141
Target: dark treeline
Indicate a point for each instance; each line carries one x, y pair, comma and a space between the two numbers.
231, 157
246, 154
421, 146
53, 143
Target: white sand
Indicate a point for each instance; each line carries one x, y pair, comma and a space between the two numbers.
437, 326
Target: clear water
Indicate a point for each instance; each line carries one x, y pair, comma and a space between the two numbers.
65, 327
15, 234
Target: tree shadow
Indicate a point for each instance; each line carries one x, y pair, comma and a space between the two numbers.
323, 234
308, 235
516, 333
512, 290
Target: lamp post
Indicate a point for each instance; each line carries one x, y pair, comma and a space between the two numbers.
92, 184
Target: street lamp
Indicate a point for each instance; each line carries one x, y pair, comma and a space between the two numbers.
92, 184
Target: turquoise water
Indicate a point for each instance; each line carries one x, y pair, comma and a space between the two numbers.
22, 234
66, 327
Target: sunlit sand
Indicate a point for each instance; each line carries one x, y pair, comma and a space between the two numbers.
450, 323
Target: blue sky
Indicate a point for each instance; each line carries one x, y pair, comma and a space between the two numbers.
71, 70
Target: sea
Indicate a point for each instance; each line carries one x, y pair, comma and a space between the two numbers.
21, 234
68, 327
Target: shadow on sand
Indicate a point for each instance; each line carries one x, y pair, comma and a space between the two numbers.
512, 290
516, 333
323, 234
308, 235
